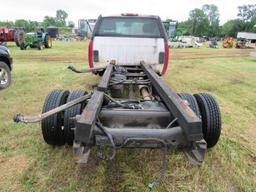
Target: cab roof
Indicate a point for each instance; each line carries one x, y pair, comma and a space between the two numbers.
132, 15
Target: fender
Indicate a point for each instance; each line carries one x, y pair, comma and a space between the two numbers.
5, 56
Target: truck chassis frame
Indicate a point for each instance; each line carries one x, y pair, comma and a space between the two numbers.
161, 119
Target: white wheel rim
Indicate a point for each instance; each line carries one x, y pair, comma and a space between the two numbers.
3, 76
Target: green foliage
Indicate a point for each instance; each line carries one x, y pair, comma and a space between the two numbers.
231, 27
199, 23
247, 12
61, 17
183, 28
26, 24
49, 21
213, 15
251, 26
205, 21
7, 23
59, 20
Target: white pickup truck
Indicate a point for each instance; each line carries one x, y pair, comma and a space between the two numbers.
129, 39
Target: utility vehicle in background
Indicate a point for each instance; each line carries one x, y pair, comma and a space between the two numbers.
38, 39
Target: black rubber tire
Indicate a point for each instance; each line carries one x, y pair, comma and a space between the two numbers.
6, 69
52, 127
211, 118
101, 73
46, 42
17, 37
22, 46
17, 43
39, 46
72, 112
191, 101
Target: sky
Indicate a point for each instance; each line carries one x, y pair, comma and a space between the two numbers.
35, 10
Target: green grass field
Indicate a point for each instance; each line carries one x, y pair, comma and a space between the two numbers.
28, 164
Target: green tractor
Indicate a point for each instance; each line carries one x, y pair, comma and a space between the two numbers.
37, 40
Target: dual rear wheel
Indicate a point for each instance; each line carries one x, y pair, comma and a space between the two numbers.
206, 107
58, 129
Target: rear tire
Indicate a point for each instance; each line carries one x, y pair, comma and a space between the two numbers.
39, 46
48, 41
191, 101
17, 43
211, 118
69, 123
22, 46
52, 127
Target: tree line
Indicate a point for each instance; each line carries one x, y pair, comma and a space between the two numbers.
205, 22
201, 22
59, 20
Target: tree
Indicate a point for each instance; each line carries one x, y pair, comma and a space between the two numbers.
253, 24
49, 21
27, 25
22, 23
183, 28
61, 17
213, 15
199, 23
232, 27
7, 23
247, 12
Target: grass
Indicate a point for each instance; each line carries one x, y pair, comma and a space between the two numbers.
28, 164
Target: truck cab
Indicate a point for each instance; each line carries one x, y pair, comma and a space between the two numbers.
129, 39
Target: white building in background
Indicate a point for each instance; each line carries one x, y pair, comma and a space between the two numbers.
247, 35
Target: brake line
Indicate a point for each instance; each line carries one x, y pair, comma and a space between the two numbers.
102, 155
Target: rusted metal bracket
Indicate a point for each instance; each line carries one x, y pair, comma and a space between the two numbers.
196, 153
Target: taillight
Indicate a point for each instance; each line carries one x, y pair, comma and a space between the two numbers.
90, 54
166, 58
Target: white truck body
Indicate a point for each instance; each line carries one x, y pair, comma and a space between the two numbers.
129, 45
128, 51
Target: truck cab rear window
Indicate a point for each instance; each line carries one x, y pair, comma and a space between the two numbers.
129, 27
